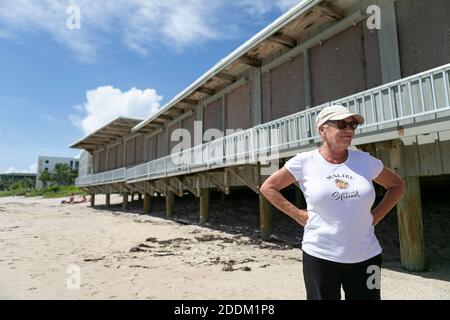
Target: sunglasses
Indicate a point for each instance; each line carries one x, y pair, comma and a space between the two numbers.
342, 124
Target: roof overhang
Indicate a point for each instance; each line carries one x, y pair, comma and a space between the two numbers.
115, 129
275, 36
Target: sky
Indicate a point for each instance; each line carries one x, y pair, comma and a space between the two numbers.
69, 67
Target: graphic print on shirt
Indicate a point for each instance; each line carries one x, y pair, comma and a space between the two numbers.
343, 182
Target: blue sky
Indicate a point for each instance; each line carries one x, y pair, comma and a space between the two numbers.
129, 57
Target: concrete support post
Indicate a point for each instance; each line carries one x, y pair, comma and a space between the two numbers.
92, 199
204, 205
147, 202
265, 216
170, 204
107, 200
125, 201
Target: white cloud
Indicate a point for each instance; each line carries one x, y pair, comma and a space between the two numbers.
138, 24
11, 170
104, 104
5, 34
51, 119
256, 7
31, 169
284, 5
48, 16
8, 101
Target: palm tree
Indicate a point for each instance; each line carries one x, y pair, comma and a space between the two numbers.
45, 178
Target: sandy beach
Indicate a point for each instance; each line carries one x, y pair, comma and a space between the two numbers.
128, 255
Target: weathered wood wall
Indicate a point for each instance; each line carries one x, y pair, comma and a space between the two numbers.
120, 156
212, 115
239, 108
341, 65
423, 34
287, 89
426, 155
151, 148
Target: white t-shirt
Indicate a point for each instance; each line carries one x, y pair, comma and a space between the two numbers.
339, 199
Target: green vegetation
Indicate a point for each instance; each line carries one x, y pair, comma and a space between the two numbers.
62, 175
50, 192
45, 178
62, 178
10, 193
56, 192
9, 183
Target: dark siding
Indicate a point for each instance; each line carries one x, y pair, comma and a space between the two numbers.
372, 54
239, 108
266, 97
171, 130
139, 145
288, 88
119, 156
188, 124
337, 66
112, 158
212, 115
151, 149
423, 29
130, 147
102, 156
161, 145
96, 161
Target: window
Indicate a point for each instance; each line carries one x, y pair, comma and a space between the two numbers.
71, 163
46, 169
46, 161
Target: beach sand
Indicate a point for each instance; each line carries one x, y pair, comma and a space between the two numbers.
128, 255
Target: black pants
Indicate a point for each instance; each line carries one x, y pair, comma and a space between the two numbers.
323, 279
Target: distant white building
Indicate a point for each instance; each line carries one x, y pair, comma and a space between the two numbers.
46, 163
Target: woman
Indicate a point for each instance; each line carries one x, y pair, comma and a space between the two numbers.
339, 245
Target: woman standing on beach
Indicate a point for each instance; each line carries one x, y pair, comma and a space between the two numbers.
339, 244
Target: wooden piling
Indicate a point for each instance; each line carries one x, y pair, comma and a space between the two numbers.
92, 199
265, 217
147, 202
204, 205
125, 201
107, 200
170, 204
410, 227
409, 215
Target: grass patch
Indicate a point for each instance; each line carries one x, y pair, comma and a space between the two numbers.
13, 193
50, 192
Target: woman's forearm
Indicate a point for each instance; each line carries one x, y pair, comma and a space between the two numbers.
390, 199
279, 201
